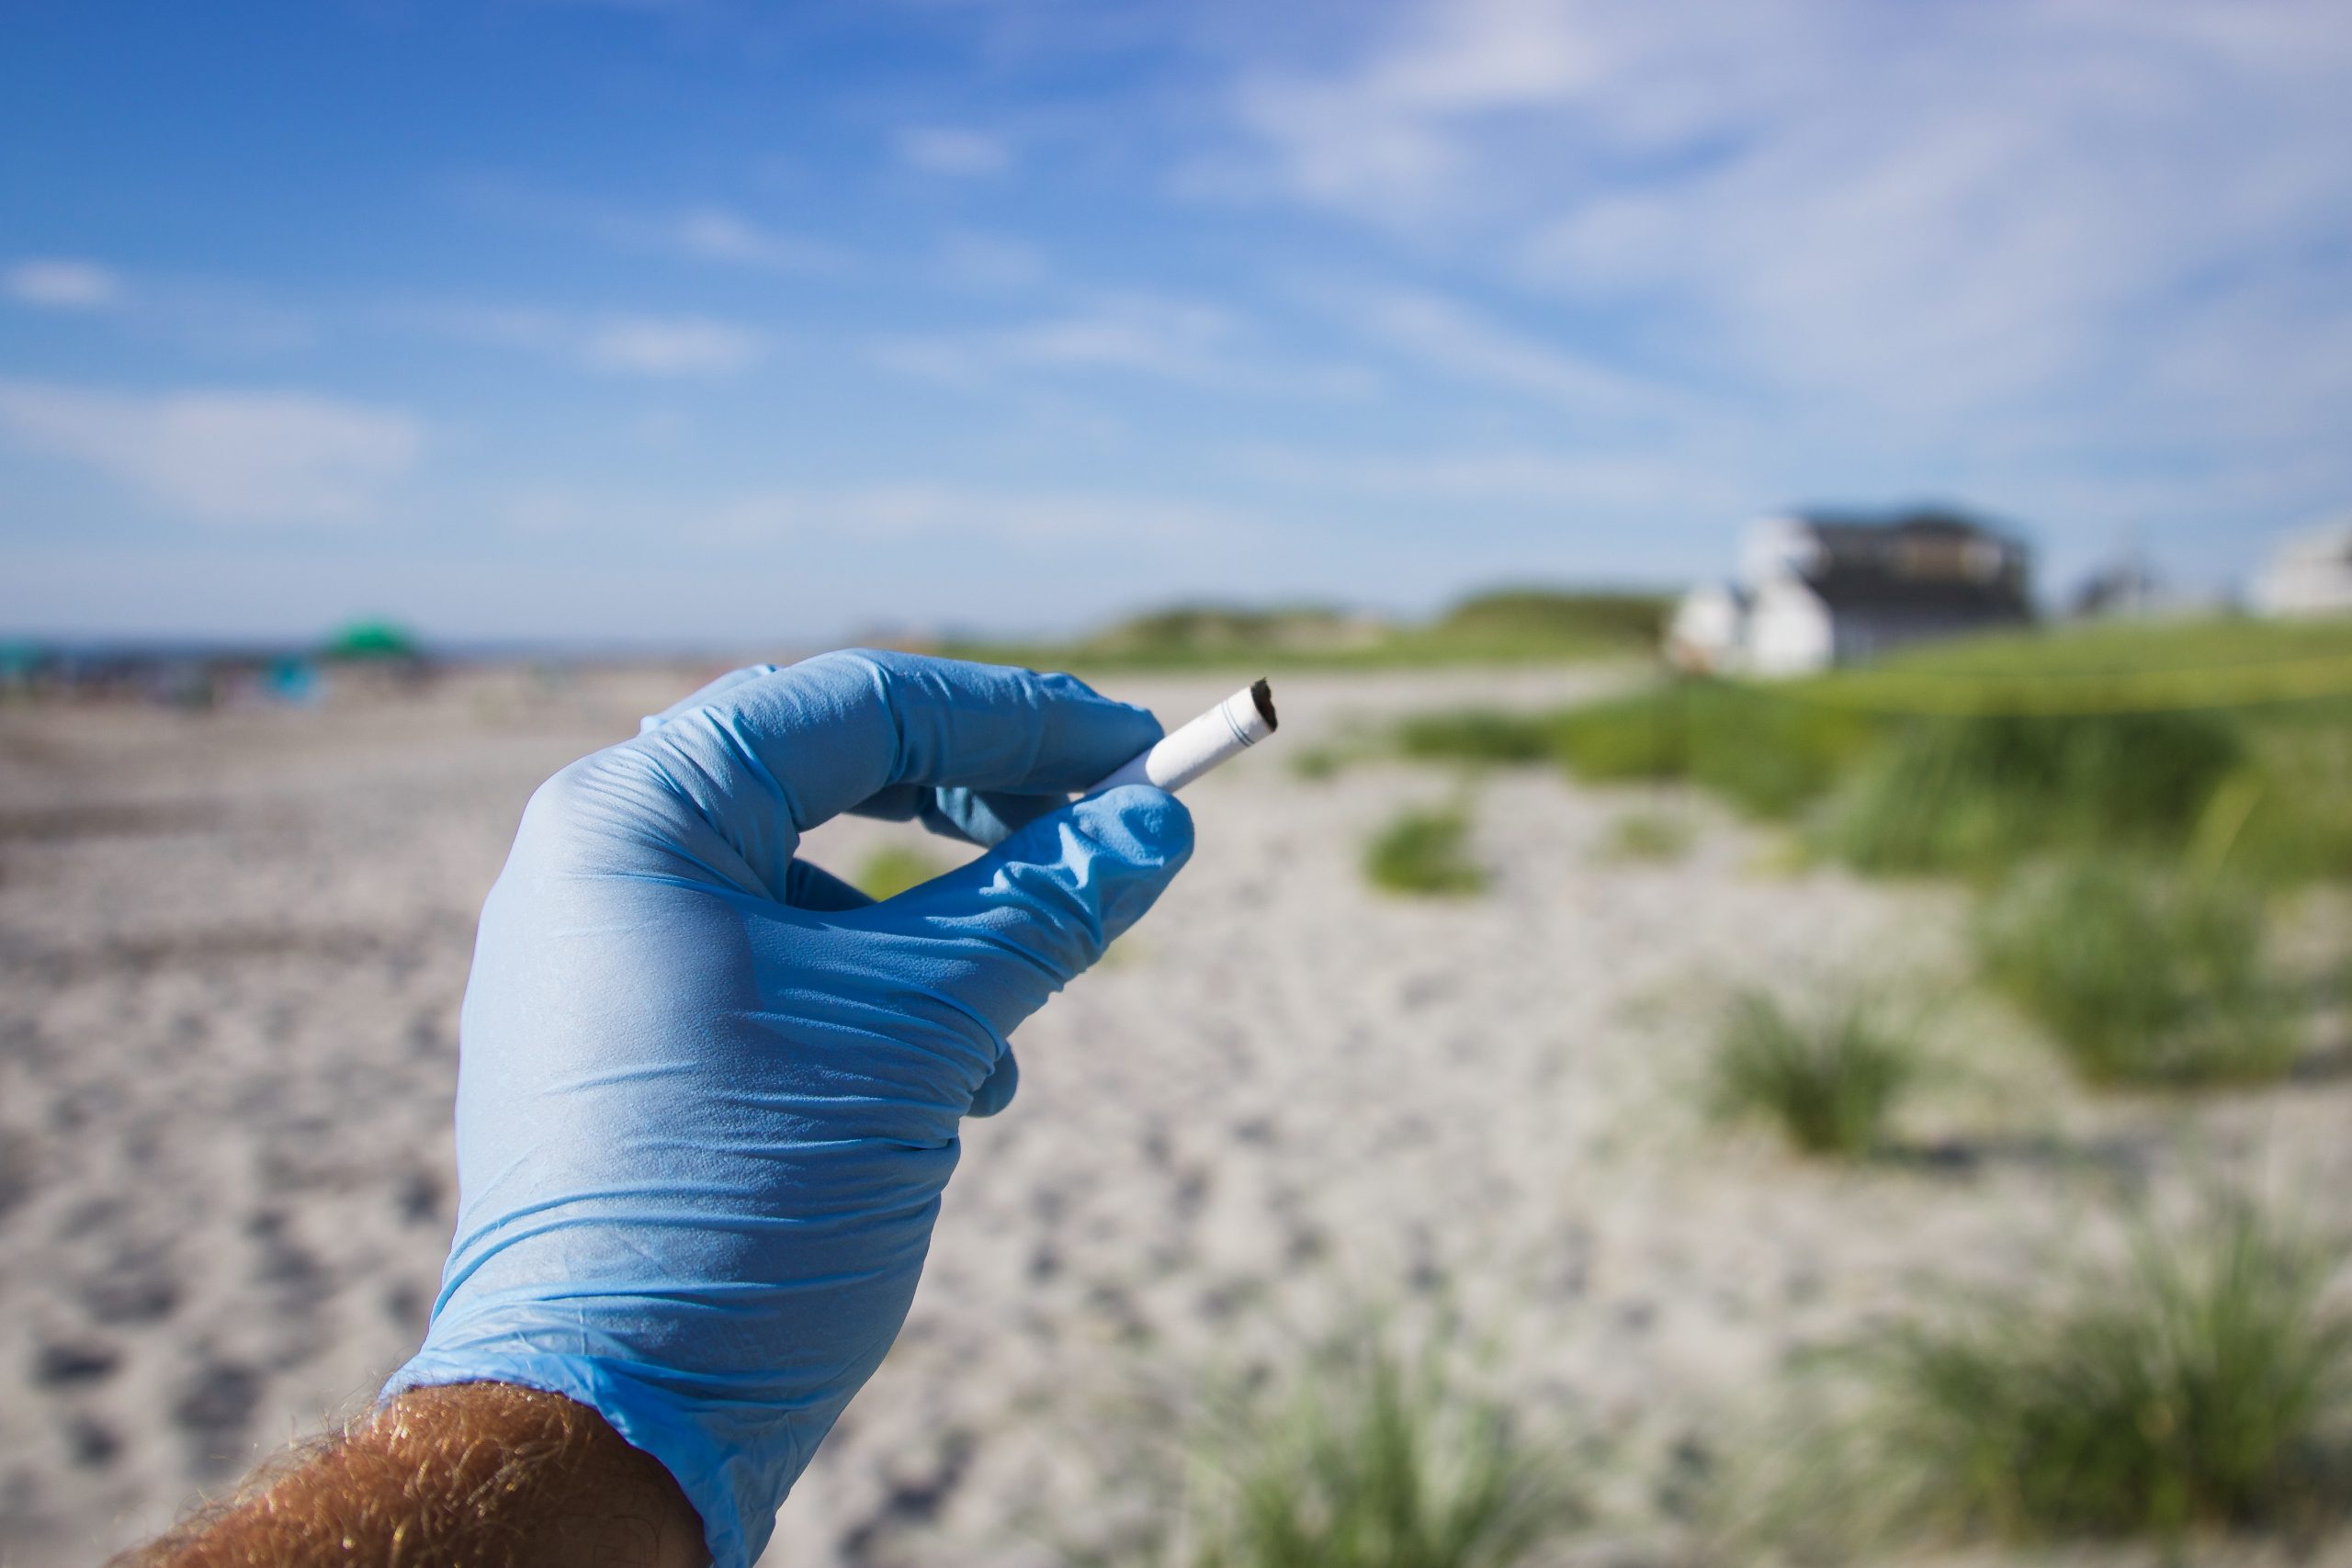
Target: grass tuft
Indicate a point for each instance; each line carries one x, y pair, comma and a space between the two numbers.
1379, 1461
2143, 976
1317, 763
891, 869
1657, 836
1828, 1079
1477, 735
1425, 854
2203, 1384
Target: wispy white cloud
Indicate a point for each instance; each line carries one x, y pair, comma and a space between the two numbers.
1505, 477
957, 150
1383, 139
719, 235
209, 315
1449, 336
627, 343
716, 235
650, 346
224, 457
708, 233
1155, 336
1179, 338
644, 8
976, 260
949, 512
57, 283
898, 512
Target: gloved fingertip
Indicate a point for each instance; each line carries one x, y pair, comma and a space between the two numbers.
1135, 723
997, 1089
1145, 825
704, 695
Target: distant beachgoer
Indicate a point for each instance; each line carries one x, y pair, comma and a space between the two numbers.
707, 1099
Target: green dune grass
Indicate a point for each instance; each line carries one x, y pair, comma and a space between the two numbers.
1510, 625
2204, 1384
1829, 1078
2230, 739
2143, 976
1371, 1457
1425, 854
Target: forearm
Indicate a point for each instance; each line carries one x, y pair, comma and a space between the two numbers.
479, 1474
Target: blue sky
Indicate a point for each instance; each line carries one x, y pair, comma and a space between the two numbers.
701, 320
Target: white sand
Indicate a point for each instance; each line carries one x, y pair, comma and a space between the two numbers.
233, 948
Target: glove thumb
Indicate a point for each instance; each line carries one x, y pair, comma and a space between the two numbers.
1041, 907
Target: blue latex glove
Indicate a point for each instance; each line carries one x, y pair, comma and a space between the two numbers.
707, 1094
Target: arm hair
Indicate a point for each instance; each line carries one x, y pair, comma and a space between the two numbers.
474, 1475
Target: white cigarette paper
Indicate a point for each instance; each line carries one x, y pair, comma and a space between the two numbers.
1223, 732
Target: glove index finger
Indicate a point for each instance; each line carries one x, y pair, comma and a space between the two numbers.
705, 695
822, 737
1040, 908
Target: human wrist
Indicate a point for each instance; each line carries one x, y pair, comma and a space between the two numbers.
474, 1474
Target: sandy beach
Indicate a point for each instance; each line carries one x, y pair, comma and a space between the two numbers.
234, 944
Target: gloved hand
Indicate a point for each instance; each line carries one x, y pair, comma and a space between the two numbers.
708, 1094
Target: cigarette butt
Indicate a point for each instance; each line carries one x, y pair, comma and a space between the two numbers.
1225, 731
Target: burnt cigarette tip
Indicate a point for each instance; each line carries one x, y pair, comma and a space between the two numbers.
1262, 695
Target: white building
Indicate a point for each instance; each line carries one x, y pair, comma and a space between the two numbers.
1818, 589
1709, 627
2309, 574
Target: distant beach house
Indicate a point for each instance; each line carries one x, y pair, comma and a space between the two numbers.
1818, 589
2309, 574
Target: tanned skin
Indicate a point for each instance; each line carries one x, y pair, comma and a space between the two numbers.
477, 1475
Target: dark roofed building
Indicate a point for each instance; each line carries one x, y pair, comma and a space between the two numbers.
1818, 589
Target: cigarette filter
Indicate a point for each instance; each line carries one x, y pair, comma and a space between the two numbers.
1225, 731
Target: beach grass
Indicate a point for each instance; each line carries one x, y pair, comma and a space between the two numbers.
2296, 797
1654, 837
1761, 750
2228, 739
1763, 753
2143, 974
1828, 1078
1425, 852
1376, 1458
1975, 795
2204, 1384
891, 869
1317, 764
1477, 736
2132, 650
